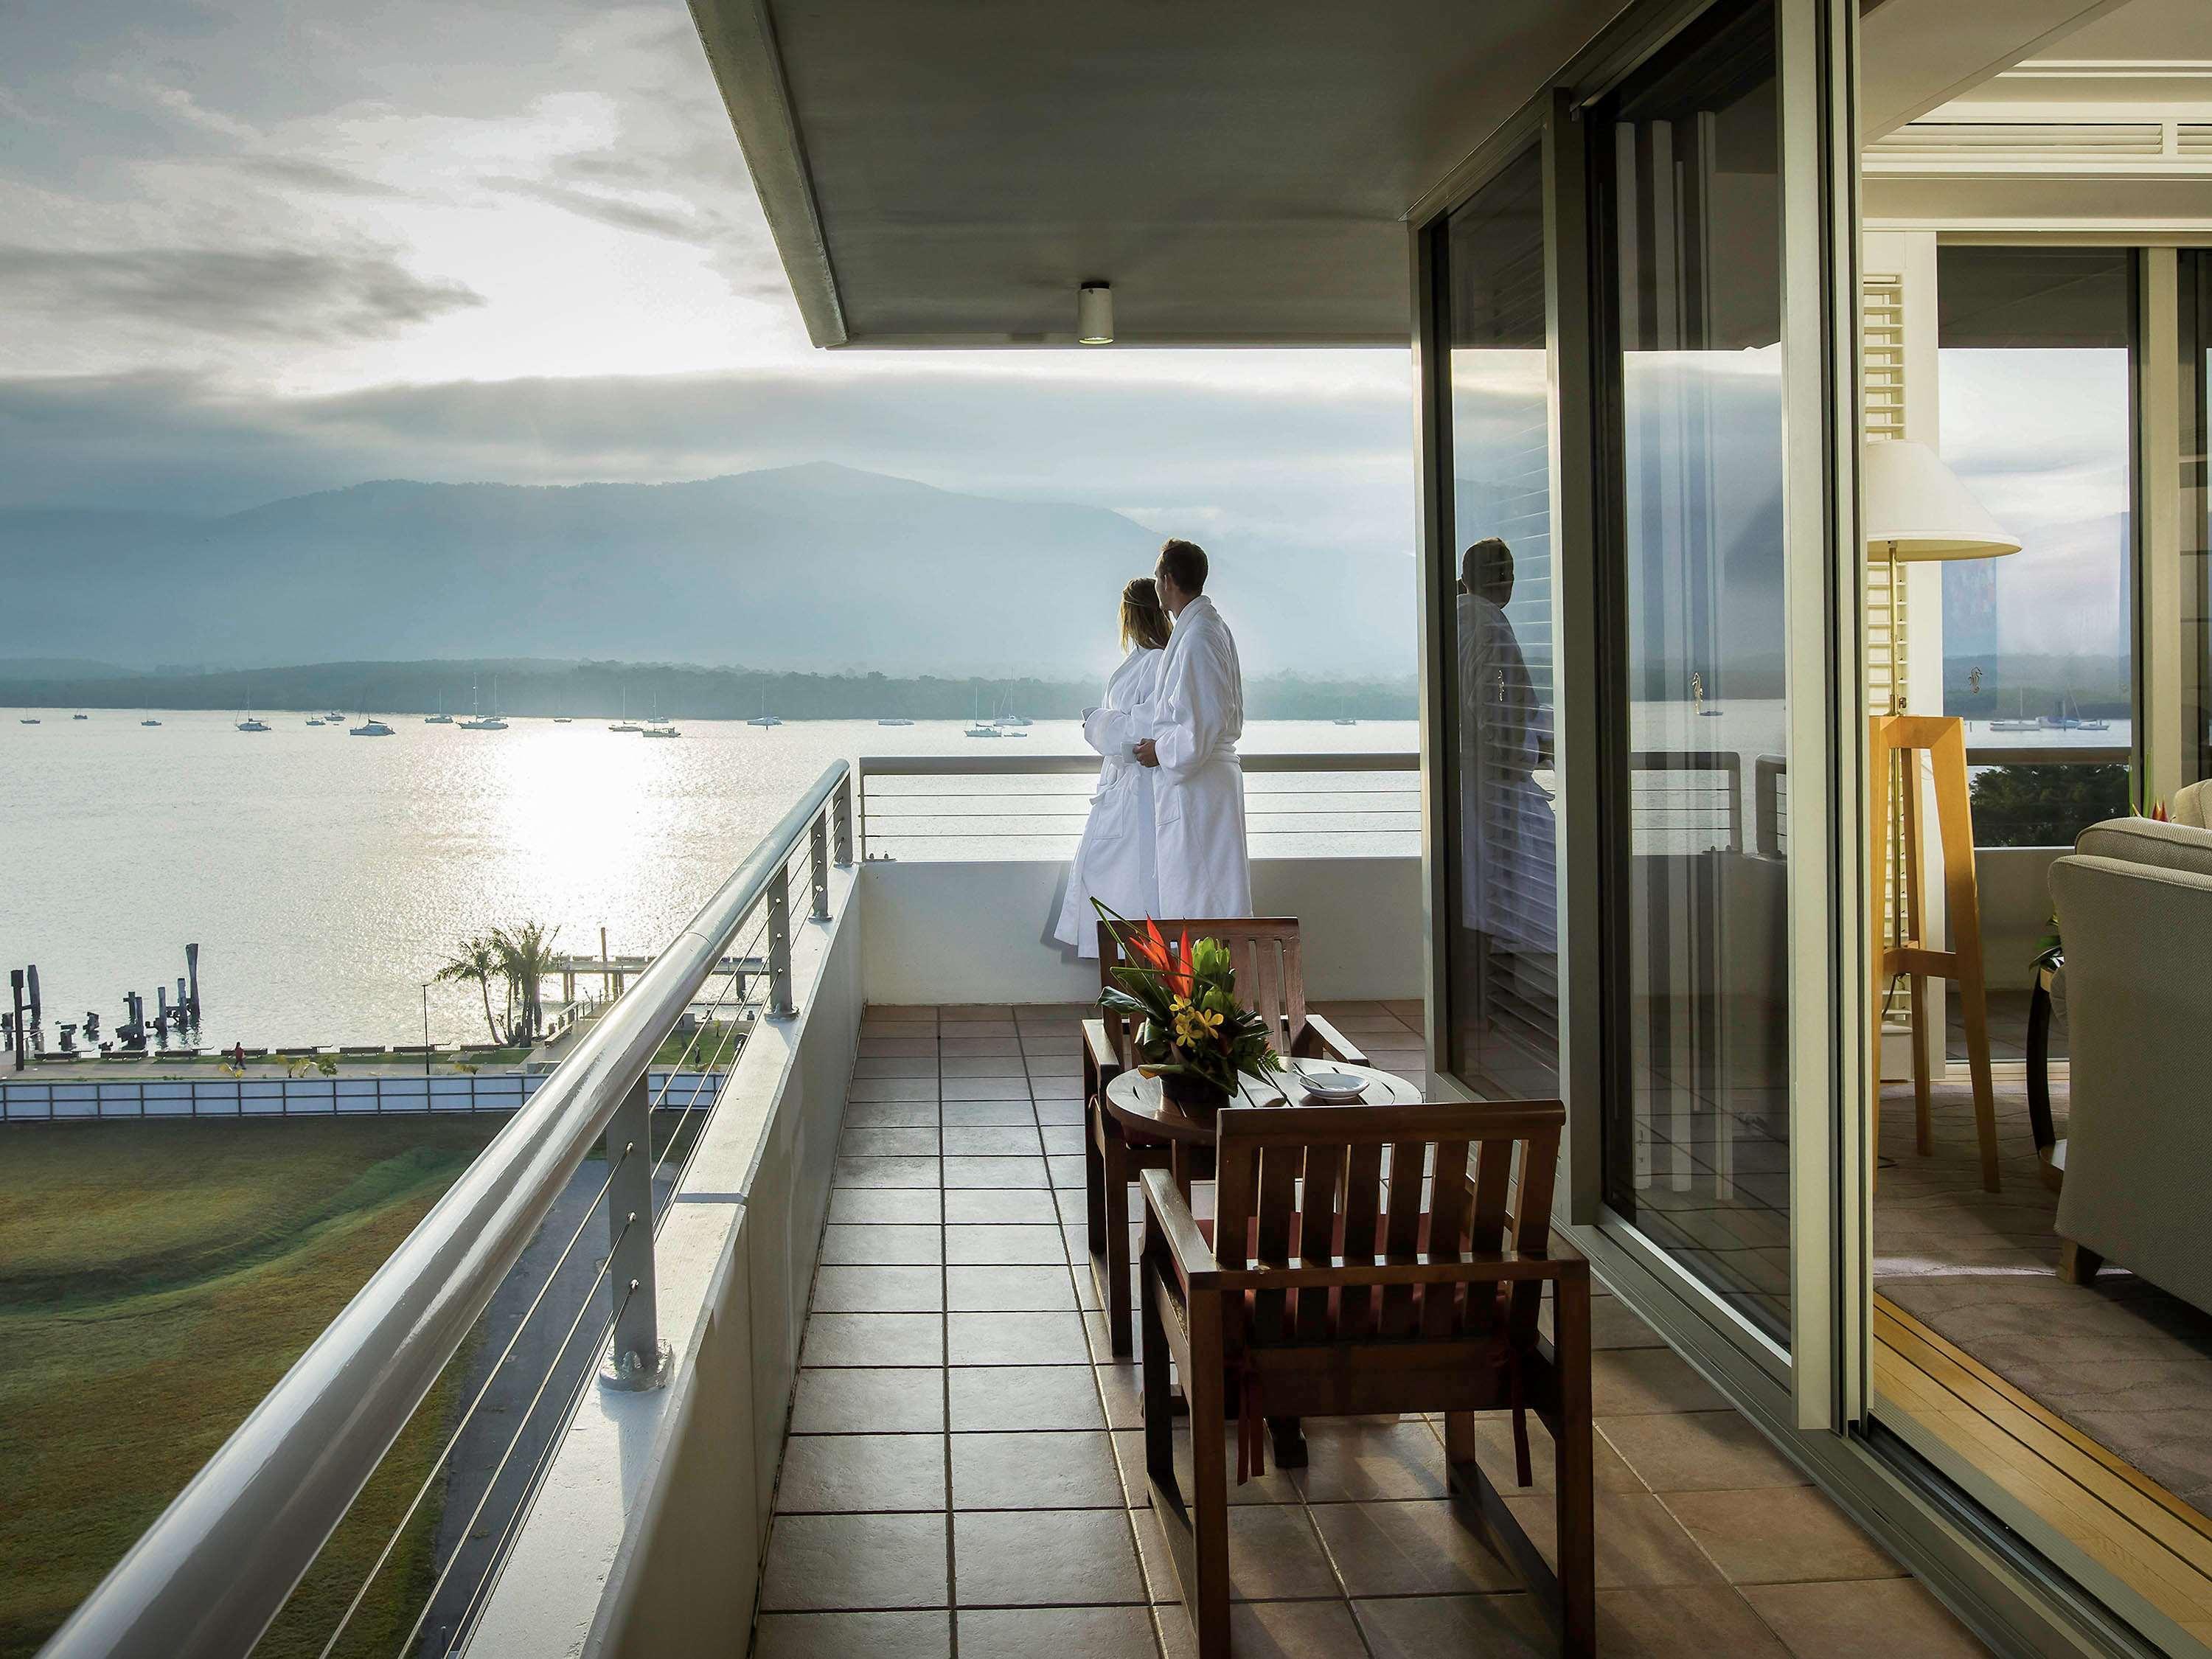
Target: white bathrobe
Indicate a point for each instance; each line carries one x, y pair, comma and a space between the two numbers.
1114, 861
1195, 720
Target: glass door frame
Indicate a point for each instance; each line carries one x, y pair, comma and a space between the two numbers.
1820, 1387
1812, 1403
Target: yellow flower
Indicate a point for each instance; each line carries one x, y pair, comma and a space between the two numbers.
1193, 1024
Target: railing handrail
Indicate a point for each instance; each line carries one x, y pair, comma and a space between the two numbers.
2052, 754
210, 1574
972, 766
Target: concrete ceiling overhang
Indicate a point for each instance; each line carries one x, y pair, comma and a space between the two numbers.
946, 174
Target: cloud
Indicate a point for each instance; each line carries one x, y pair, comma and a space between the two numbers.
269, 294
304, 172
686, 223
1329, 473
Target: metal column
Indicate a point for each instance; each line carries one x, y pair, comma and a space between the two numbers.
639, 1358
779, 1003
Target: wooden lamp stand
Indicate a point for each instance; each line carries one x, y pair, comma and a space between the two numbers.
1899, 741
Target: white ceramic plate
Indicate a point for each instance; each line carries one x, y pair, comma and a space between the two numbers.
1331, 1085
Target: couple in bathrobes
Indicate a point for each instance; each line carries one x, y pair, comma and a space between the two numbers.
1166, 832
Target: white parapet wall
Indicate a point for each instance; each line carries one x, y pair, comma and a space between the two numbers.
980, 931
645, 1537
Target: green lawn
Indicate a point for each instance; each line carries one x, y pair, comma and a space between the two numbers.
154, 1280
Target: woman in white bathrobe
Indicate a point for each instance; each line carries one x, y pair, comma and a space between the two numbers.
1116, 861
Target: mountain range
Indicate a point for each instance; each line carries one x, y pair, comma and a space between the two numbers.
819, 568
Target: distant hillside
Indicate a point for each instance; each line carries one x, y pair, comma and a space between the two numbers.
817, 567
524, 687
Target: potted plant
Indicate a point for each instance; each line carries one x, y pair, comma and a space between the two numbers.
1191, 1033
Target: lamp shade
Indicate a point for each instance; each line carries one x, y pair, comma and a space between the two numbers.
1917, 509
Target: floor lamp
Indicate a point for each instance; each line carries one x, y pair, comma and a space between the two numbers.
1914, 509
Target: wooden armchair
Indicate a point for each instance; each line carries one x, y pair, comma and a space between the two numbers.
1271, 980
1332, 1289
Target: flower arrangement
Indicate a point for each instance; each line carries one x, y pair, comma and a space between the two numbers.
1192, 1034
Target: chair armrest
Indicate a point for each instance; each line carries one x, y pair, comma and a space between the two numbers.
1322, 1040
1104, 1064
1168, 1217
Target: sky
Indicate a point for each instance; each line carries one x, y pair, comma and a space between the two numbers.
2041, 435
251, 248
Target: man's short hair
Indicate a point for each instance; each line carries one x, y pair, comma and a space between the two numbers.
1485, 570
1184, 564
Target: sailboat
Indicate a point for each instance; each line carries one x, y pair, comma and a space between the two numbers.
483, 722
763, 718
979, 727
80, 717
316, 720
370, 726
250, 724
2020, 721
441, 718
149, 721
627, 723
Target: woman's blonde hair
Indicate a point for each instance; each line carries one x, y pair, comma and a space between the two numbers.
1144, 618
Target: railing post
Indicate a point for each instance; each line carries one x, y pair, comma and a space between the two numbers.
780, 1004
817, 860
640, 1359
840, 816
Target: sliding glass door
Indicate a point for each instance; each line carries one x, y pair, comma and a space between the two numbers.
1688, 201
1501, 868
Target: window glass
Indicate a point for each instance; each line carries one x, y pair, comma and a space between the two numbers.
1697, 1145
1503, 973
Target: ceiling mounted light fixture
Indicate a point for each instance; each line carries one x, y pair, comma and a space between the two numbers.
1094, 314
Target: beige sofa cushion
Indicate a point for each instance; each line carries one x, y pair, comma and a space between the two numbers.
2144, 841
2192, 804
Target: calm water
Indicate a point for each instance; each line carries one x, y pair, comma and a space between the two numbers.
325, 877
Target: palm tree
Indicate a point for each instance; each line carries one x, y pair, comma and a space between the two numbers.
474, 963
525, 958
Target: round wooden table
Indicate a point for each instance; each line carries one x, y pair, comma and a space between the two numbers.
1139, 1105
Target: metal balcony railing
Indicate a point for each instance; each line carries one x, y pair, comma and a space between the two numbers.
209, 1577
966, 806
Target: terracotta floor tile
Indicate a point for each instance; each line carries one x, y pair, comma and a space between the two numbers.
901, 1401
848, 1246
856, 1474
1423, 1548
1063, 1632
1639, 1544
1271, 1630
985, 1398
1895, 1618
1779, 1535
1698, 1451
823, 1562
1273, 1555
1362, 1458
1038, 1557
1509, 1627
839, 1635
1682, 1622
1035, 1471
1626, 1381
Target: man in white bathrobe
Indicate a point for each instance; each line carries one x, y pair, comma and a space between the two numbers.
1192, 724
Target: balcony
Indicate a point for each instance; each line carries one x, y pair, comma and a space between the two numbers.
888, 1417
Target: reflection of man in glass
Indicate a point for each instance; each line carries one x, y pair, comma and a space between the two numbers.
1508, 941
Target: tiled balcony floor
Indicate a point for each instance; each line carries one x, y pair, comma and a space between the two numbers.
962, 1475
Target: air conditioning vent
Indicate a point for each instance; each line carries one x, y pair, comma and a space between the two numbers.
2045, 140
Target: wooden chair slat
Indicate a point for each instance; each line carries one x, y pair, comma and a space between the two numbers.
1491, 1174
1403, 1234
1363, 1190
1318, 1217
1532, 1223
1271, 1243
1446, 1235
